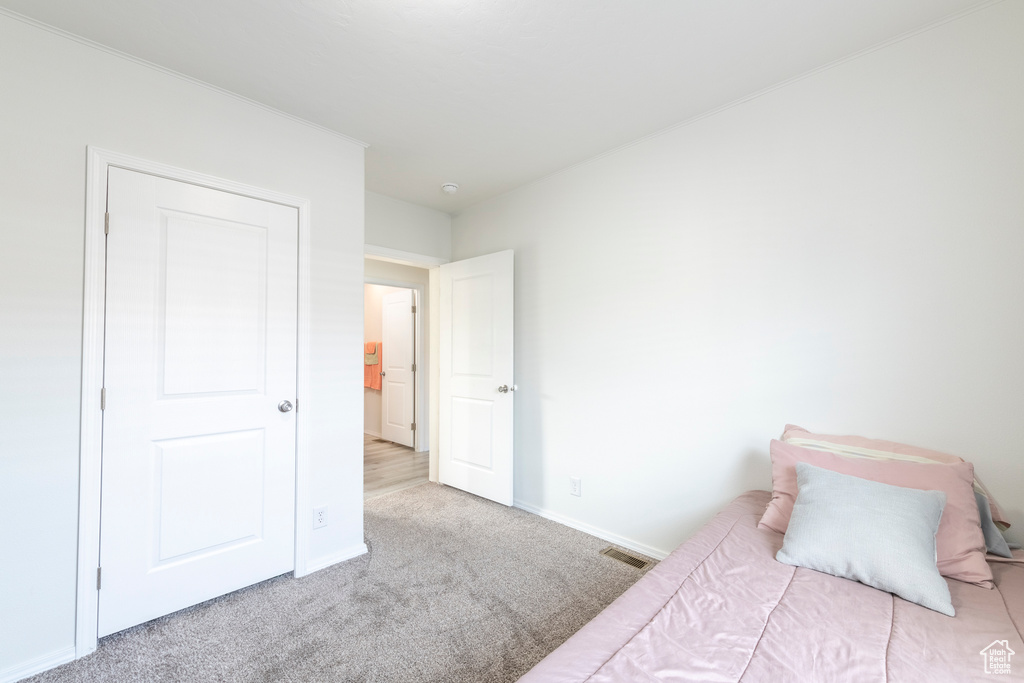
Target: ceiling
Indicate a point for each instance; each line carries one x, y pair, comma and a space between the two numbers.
490, 94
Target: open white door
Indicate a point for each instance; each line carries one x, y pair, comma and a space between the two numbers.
198, 482
476, 391
398, 386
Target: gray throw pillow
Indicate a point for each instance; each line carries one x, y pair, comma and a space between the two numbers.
994, 541
877, 534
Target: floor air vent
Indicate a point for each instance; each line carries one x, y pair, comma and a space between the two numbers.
623, 556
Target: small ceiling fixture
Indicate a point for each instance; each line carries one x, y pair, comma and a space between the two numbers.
450, 188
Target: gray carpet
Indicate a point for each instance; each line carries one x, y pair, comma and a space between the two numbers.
454, 588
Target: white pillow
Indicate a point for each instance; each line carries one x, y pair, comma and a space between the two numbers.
877, 534
994, 541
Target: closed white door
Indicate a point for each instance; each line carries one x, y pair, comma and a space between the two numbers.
476, 407
398, 386
198, 484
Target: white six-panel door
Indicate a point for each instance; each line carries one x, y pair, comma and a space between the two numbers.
476, 380
398, 322
200, 348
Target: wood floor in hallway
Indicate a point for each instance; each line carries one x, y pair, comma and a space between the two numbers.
390, 467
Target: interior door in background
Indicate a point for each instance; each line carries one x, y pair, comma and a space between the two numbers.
198, 482
476, 375
398, 385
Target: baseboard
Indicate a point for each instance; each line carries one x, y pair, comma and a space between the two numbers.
340, 556
37, 665
374, 434
626, 543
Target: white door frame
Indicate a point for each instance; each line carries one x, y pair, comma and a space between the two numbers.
431, 263
420, 442
91, 436
404, 258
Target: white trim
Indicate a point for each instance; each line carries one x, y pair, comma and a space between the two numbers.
626, 543
303, 452
91, 434
421, 439
99, 160
367, 431
176, 74
335, 558
405, 258
37, 665
387, 282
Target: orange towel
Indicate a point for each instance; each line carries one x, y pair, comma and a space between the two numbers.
371, 373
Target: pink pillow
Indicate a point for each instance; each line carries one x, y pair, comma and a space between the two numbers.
960, 542
850, 445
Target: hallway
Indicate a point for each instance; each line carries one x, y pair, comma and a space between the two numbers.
389, 467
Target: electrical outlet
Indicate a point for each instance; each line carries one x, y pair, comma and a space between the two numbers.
575, 486
319, 517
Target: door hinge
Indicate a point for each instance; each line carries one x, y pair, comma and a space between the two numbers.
413, 309
103, 398
413, 426
414, 367
99, 577
106, 223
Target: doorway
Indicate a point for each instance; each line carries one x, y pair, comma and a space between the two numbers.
470, 338
390, 368
396, 362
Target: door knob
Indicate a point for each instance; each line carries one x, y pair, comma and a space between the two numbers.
503, 389
284, 406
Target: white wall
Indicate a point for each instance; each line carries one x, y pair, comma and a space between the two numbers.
399, 225
845, 253
58, 96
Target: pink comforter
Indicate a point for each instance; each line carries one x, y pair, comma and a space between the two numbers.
721, 608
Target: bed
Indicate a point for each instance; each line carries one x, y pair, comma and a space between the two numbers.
722, 608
